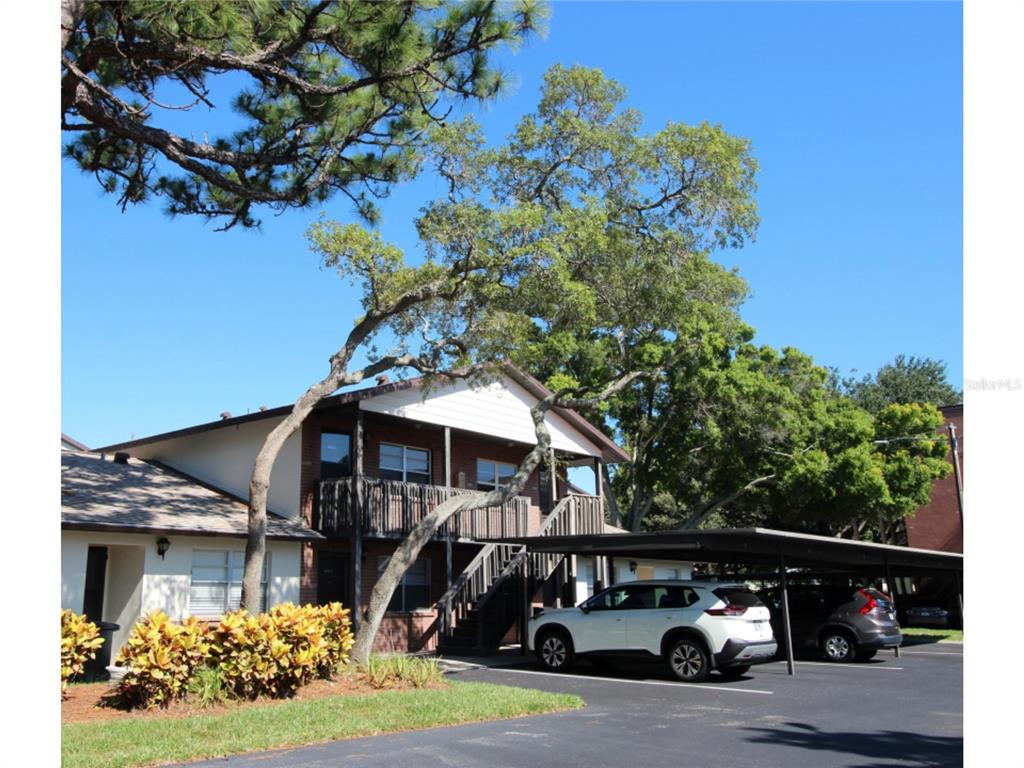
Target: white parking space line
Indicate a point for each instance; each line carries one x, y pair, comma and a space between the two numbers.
844, 666
905, 652
680, 685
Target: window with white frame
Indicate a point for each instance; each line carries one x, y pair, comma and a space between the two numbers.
413, 592
217, 582
492, 475
400, 462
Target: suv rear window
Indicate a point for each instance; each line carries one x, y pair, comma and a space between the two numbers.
738, 596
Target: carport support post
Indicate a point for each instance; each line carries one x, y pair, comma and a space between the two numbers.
892, 594
785, 615
526, 605
600, 565
446, 619
960, 596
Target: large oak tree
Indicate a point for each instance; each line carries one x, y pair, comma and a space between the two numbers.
580, 227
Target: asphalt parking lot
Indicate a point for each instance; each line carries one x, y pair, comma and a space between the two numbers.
884, 713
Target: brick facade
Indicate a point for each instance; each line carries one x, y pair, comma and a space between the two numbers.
937, 525
415, 630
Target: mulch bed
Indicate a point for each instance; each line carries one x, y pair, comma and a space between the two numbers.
83, 702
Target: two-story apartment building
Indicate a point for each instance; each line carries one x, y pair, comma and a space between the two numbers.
369, 463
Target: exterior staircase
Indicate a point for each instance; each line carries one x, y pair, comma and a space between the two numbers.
488, 597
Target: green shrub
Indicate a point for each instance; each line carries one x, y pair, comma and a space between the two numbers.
161, 657
275, 653
207, 686
425, 672
337, 636
386, 671
269, 654
79, 641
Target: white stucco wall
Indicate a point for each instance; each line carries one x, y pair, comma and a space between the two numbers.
501, 409
139, 581
167, 580
73, 553
122, 599
224, 458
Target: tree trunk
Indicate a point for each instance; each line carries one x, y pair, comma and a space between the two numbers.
259, 485
398, 564
642, 503
858, 525
613, 504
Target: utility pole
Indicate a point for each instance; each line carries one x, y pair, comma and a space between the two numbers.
954, 446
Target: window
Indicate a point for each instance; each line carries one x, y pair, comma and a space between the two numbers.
414, 590
616, 598
410, 465
217, 582
632, 597
738, 596
675, 597
585, 576
492, 475
335, 455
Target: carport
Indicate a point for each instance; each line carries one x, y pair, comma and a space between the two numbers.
778, 550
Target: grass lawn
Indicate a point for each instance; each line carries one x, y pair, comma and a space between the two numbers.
149, 741
925, 634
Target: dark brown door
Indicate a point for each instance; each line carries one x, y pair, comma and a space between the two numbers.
95, 582
332, 578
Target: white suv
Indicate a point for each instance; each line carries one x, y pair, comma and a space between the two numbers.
693, 626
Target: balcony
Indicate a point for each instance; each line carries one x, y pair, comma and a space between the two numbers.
389, 509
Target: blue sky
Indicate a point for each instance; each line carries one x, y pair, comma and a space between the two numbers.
854, 111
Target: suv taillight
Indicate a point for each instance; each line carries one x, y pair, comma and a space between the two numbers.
729, 610
871, 603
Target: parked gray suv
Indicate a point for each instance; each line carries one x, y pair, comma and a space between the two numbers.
840, 623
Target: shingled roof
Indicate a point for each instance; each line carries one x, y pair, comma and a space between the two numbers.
100, 494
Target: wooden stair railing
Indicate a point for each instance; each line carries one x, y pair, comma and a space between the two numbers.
476, 581
495, 596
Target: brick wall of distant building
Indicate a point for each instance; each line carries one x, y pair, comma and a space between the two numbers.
937, 525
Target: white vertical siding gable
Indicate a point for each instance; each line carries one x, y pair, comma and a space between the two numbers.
500, 409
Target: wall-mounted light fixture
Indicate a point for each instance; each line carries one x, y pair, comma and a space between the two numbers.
632, 566
162, 545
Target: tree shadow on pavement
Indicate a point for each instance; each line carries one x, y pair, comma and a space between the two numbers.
887, 749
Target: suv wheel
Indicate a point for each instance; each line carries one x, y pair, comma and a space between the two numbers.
688, 660
837, 645
554, 651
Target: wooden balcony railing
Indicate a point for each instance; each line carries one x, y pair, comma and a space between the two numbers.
389, 509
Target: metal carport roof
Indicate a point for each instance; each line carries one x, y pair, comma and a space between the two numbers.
748, 545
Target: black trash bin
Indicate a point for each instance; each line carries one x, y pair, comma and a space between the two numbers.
96, 670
